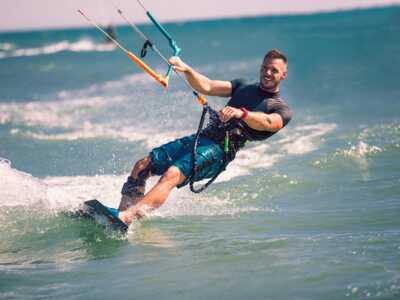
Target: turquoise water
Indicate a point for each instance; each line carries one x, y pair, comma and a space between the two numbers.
312, 213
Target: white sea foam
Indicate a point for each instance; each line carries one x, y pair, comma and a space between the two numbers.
150, 138
52, 114
299, 140
361, 149
66, 193
306, 138
183, 203
6, 46
255, 156
83, 45
250, 158
75, 119
111, 86
360, 153
20, 189
371, 140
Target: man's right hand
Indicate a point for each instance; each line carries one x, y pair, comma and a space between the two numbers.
178, 64
201, 83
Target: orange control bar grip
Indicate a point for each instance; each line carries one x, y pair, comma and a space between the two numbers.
148, 70
202, 100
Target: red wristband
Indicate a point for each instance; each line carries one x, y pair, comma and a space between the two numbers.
245, 113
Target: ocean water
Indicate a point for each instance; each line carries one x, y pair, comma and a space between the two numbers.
312, 213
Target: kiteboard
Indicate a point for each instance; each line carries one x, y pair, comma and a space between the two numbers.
96, 211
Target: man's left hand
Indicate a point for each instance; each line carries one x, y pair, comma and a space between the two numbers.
229, 112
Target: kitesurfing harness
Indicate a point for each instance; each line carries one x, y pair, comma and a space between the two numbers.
211, 112
231, 136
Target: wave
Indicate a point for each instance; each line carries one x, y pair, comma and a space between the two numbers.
306, 138
363, 147
20, 189
83, 45
75, 119
6, 46
68, 120
360, 150
53, 114
372, 140
298, 140
254, 156
108, 87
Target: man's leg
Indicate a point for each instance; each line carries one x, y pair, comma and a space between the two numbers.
134, 188
155, 197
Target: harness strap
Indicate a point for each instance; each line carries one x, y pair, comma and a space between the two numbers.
146, 44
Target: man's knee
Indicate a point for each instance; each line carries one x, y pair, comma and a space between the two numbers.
173, 176
142, 163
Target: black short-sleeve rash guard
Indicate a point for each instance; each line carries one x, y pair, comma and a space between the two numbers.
253, 98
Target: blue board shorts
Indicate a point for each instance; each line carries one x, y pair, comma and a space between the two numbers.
178, 153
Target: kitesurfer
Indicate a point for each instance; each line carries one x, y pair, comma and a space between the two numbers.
110, 30
261, 112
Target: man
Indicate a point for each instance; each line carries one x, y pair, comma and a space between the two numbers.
110, 30
254, 112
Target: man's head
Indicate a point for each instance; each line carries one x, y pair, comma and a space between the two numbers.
273, 70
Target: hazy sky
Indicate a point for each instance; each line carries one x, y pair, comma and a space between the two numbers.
27, 14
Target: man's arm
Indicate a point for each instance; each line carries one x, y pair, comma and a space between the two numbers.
264, 122
201, 83
256, 120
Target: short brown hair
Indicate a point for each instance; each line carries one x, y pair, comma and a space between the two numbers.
276, 54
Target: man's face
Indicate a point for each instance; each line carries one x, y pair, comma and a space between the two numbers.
271, 73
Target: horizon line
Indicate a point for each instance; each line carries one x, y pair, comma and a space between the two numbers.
228, 17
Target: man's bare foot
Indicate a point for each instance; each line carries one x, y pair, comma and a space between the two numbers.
131, 214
